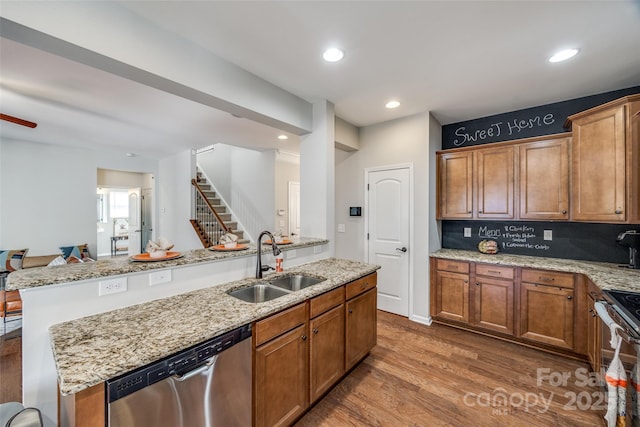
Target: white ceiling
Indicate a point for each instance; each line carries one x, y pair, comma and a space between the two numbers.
458, 59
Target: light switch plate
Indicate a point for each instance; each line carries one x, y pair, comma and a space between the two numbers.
467, 232
548, 235
341, 228
317, 249
157, 277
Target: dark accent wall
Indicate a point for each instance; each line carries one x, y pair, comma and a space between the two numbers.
572, 240
536, 121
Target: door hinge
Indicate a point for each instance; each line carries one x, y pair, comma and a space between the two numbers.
367, 236
367, 187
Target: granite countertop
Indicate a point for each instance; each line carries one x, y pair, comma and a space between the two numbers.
93, 349
42, 276
604, 275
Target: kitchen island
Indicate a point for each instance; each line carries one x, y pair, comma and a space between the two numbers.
53, 295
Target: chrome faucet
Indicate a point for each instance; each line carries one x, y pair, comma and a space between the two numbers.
276, 252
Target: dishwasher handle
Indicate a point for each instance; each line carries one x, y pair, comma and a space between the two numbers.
202, 368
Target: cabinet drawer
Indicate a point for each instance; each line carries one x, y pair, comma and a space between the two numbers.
361, 285
453, 266
564, 280
494, 271
280, 323
326, 301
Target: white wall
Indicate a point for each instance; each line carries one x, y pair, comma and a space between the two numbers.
49, 194
175, 194
404, 140
245, 180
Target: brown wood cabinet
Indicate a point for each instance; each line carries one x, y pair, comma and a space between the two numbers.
281, 367
604, 172
455, 185
495, 182
547, 308
544, 179
361, 326
327, 356
450, 296
493, 297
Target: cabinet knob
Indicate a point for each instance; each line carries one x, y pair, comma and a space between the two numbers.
479, 211
569, 296
304, 338
350, 311
469, 212
564, 212
315, 330
618, 211
477, 283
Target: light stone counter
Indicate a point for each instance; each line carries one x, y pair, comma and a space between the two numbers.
43, 276
90, 350
604, 275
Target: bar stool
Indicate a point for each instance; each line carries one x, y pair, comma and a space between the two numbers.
13, 414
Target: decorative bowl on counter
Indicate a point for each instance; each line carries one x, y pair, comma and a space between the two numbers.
488, 247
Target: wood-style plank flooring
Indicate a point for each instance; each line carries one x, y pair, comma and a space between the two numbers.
11, 367
440, 376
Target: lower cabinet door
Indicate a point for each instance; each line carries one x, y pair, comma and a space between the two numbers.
493, 305
547, 314
282, 379
327, 351
452, 296
361, 327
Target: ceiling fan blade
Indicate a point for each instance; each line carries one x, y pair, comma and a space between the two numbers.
17, 120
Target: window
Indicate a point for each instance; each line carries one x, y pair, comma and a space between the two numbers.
119, 204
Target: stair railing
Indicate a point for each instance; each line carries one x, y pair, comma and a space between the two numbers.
207, 223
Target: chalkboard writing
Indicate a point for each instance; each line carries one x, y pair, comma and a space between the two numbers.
591, 242
536, 121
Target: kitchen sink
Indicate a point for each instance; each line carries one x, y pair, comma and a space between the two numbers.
261, 292
295, 282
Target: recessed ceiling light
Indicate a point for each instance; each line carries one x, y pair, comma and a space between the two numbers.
563, 55
283, 137
131, 154
392, 104
333, 54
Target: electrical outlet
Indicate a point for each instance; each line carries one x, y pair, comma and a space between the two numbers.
317, 249
548, 235
112, 286
467, 232
158, 277
291, 254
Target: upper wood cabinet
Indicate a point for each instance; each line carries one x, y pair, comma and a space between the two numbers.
604, 174
495, 182
523, 179
544, 179
455, 185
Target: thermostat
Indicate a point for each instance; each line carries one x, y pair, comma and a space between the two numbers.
355, 211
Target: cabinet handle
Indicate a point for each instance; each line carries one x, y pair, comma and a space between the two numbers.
350, 311
499, 273
546, 279
618, 211
315, 330
593, 313
304, 338
363, 286
452, 267
569, 296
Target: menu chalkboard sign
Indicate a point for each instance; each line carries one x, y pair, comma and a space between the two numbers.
571, 240
536, 121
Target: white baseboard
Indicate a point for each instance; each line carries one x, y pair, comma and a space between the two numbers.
421, 319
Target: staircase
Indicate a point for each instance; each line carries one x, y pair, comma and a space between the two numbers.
207, 225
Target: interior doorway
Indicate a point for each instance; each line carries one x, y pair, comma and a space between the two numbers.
124, 216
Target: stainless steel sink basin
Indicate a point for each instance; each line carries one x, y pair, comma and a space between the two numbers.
295, 282
260, 292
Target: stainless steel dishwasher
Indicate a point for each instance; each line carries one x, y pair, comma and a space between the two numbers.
208, 385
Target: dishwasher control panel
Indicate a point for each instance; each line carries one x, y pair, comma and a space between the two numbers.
177, 364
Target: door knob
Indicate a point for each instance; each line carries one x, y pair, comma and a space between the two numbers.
402, 249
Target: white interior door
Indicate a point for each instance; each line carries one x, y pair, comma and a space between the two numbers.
389, 230
135, 219
294, 208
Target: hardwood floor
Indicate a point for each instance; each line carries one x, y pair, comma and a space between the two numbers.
11, 367
440, 376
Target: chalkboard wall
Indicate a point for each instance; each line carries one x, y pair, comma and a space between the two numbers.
572, 240
536, 121
590, 242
